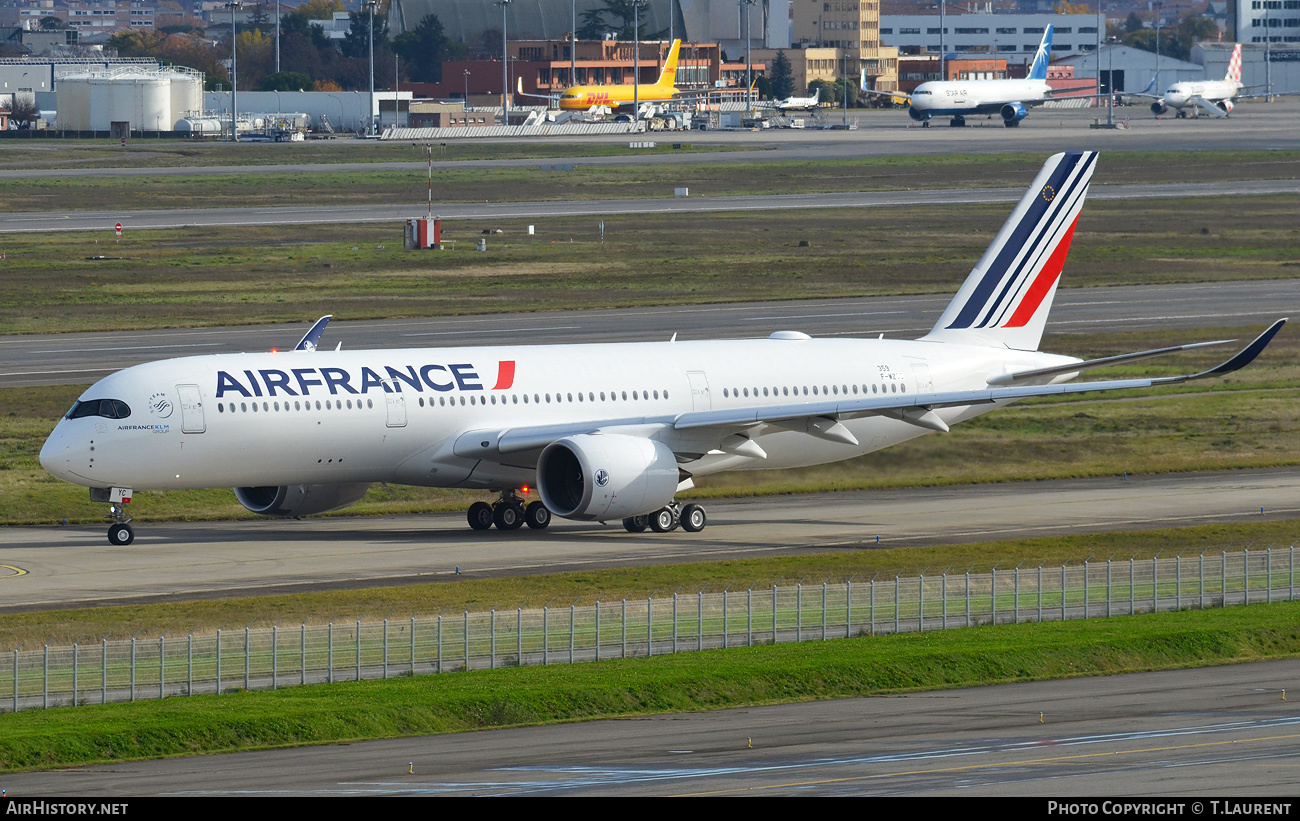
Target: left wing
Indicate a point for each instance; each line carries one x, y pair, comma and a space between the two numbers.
1210, 107
696, 432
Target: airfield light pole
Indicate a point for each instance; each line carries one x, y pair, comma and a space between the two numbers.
277, 36
465, 99
1101, 30
573, 43
749, 69
1268, 61
1110, 85
234, 74
1158, 6
505, 66
943, 74
636, 63
370, 118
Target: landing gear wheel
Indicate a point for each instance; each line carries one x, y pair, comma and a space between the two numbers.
694, 518
480, 515
663, 520
537, 516
636, 524
121, 534
508, 516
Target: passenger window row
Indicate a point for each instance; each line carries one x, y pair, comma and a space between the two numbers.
824, 390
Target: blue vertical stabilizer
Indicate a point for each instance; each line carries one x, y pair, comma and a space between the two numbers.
1038, 71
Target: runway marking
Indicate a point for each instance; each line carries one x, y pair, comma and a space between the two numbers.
14, 571
100, 348
1020, 763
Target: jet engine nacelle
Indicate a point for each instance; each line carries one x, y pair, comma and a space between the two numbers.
919, 116
1013, 113
1159, 108
299, 500
606, 476
1226, 105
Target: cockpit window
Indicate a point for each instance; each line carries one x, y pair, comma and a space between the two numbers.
107, 408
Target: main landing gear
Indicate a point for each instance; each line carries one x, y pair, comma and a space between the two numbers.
508, 513
692, 518
957, 122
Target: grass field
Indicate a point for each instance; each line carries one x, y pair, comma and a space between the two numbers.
456, 702
215, 276
332, 186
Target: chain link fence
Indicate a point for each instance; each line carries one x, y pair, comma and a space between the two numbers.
270, 658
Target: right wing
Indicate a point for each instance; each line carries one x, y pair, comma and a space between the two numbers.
695, 433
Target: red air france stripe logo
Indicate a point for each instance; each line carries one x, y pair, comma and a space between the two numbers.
1043, 282
505, 375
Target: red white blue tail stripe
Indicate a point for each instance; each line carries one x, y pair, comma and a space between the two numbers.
1005, 300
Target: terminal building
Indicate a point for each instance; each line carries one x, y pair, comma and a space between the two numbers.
1009, 35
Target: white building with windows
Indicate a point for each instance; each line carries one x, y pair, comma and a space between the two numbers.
1005, 35
1268, 21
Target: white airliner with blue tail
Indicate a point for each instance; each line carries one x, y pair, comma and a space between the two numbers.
959, 99
604, 432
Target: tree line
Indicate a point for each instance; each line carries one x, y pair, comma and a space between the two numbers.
309, 59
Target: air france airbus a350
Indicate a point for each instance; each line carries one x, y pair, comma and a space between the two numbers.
603, 431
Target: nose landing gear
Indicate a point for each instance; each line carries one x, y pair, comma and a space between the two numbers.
120, 533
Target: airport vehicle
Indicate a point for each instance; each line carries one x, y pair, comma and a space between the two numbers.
1213, 96
605, 432
960, 99
800, 103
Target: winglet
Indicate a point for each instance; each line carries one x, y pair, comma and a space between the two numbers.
1242, 359
311, 339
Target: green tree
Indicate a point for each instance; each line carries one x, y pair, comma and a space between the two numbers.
287, 81
356, 43
781, 76
1133, 23
423, 50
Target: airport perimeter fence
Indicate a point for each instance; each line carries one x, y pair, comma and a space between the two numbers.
270, 658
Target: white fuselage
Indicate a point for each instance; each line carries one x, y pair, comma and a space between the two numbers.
976, 96
1183, 95
397, 415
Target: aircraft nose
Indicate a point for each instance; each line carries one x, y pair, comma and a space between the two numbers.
56, 452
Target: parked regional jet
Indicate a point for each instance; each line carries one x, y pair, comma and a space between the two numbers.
961, 98
1215, 96
800, 103
603, 431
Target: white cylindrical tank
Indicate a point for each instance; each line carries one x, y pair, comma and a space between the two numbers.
100, 105
155, 104
73, 102
122, 95
187, 96
148, 100
201, 126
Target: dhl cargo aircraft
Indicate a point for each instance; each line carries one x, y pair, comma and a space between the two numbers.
583, 98
605, 432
